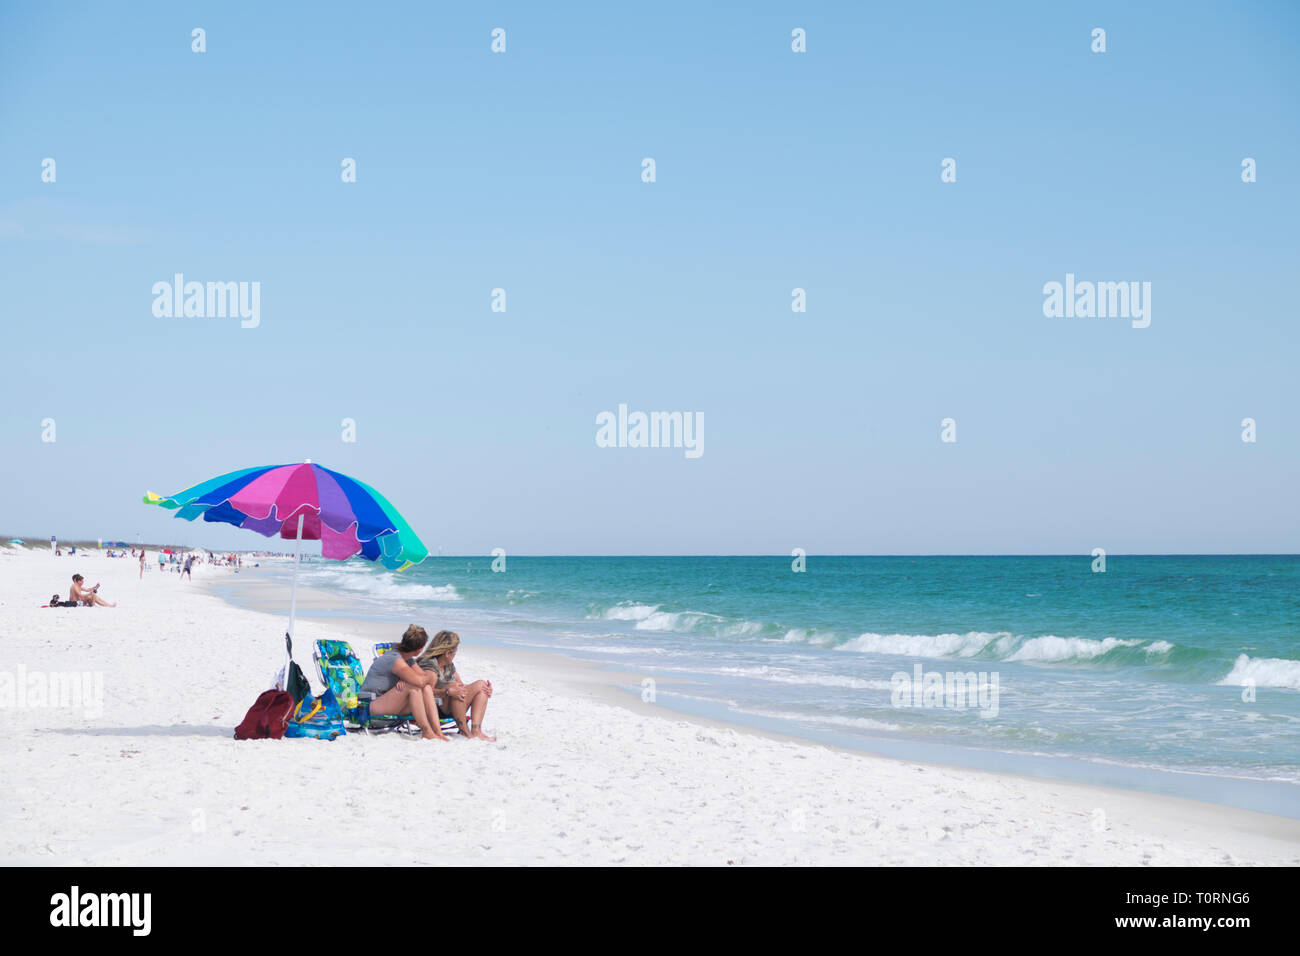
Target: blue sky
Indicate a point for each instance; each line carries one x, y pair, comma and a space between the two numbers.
775, 170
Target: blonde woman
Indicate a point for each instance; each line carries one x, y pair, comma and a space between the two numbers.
458, 700
401, 688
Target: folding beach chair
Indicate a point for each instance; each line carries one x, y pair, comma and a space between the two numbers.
341, 672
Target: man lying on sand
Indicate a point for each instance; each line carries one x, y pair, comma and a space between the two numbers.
86, 596
439, 659
402, 689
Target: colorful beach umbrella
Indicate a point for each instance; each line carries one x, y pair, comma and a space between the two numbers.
346, 516
304, 502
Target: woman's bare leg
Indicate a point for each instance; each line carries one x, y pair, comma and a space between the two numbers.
431, 709
457, 708
475, 703
478, 707
416, 697
403, 701
391, 703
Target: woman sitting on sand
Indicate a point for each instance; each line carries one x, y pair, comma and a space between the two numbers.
87, 596
439, 659
402, 689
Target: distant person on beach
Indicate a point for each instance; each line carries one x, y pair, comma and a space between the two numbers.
440, 660
189, 563
87, 596
142, 564
401, 688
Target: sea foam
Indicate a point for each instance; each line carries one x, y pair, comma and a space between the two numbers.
1052, 649
1264, 672
923, 645
385, 587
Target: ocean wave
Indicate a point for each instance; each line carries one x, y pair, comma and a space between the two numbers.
1264, 672
1051, 649
654, 617
804, 635
384, 586
649, 617
1003, 646
685, 621
629, 611
779, 675
925, 645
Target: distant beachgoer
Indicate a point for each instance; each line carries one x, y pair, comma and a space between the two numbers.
189, 562
401, 688
142, 564
87, 596
439, 659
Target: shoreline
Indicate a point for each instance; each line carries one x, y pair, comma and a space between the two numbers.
615, 684
577, 776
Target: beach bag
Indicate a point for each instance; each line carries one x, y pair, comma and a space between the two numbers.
291, 677
268, 717
297, 685
318, 717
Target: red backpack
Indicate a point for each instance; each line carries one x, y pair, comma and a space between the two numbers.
268, 717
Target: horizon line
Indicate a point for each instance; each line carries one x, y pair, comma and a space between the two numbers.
40, 543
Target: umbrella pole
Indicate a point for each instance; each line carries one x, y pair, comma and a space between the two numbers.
293, 592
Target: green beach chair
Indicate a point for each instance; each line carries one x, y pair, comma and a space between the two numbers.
341, 672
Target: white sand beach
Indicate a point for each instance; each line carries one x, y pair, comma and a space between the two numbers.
578, 775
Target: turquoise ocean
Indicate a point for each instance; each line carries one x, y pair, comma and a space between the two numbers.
1177, 674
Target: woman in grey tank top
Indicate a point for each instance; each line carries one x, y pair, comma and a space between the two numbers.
402, 688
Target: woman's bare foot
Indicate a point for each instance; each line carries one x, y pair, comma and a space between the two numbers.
477, 733
430, 735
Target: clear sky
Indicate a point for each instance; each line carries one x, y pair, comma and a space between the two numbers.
523, 170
